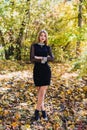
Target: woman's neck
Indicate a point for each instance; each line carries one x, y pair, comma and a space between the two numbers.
40, 43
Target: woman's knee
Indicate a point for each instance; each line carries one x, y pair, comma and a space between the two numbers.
44, 88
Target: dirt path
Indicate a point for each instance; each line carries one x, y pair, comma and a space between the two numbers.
65, 101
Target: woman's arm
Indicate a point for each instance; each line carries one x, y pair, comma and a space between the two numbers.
34, 58
50, 56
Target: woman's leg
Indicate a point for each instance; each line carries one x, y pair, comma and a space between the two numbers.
42, 106
37, 116
41, 96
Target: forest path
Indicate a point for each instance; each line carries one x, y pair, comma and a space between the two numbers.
65, 100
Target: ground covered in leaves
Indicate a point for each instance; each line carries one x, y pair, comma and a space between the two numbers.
66, 98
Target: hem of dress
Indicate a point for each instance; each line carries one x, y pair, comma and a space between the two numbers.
42, 85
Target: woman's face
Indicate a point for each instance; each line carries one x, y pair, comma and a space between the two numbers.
42, 37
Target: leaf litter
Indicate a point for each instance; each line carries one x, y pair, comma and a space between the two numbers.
66, 99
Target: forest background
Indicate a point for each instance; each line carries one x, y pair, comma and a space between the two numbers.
66, 24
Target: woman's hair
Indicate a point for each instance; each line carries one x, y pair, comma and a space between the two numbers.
43, 31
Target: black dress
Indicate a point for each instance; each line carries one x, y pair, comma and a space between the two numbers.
41, 72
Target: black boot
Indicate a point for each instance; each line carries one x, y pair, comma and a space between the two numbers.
37, 117
44, 115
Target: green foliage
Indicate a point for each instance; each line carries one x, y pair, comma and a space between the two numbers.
81, 63
59, 19
25, 53
2, 54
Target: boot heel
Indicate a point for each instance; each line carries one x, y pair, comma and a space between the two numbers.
37, 116
44, 115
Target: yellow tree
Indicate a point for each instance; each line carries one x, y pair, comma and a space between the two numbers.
79, 2
79, 25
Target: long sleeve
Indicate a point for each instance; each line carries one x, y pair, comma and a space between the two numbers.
32, 55
50, 56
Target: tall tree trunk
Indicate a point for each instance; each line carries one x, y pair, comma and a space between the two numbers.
79, 25
21, 32
19, 41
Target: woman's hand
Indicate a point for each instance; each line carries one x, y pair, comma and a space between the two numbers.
38, 57
43, 59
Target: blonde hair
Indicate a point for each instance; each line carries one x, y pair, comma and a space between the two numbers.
43, 31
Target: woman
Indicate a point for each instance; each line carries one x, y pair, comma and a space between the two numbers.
40, 54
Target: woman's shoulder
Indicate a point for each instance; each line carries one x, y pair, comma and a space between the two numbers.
33, 44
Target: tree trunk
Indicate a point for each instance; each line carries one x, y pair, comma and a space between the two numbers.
21, 32
79, 25
19, 41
